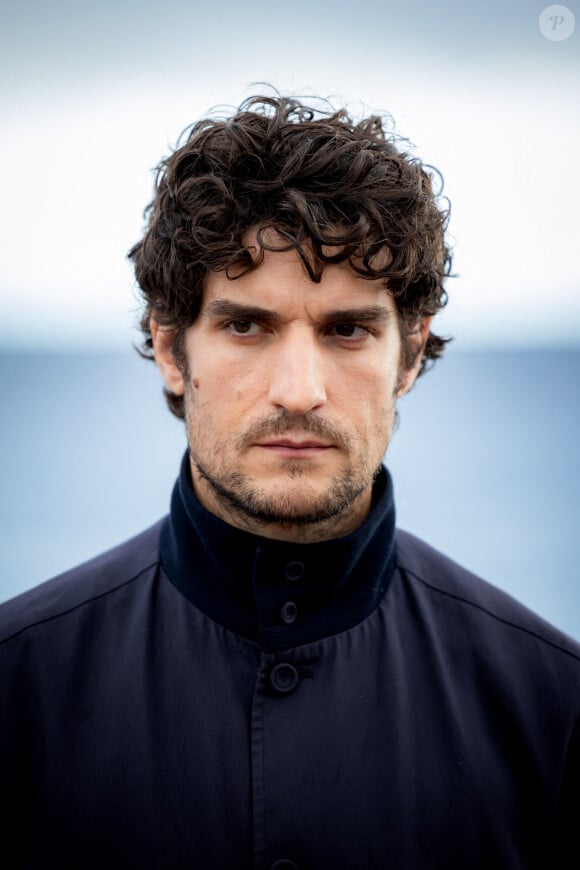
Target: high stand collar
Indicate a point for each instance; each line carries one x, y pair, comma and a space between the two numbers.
278, 594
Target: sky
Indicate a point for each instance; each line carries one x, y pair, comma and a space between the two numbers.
93, 95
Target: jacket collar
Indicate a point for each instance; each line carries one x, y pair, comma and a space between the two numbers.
279, 594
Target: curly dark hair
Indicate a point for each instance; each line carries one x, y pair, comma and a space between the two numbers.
333, 188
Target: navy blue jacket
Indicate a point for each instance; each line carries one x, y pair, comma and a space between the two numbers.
204, 698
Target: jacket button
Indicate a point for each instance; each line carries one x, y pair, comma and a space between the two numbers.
283, 864
284, 678
289, 612
294, 570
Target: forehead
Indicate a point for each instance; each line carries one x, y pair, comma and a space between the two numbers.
281, 283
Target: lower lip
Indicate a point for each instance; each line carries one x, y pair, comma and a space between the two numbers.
294, 452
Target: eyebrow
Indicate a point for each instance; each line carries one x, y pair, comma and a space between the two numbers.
240, 311
367, 314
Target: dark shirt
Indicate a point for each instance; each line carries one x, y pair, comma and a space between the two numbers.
200, 697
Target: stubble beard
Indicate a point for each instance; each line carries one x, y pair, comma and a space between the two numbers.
239, 496
245, 499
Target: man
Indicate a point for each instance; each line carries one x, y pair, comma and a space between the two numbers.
272, 676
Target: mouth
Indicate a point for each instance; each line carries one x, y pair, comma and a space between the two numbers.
296, 449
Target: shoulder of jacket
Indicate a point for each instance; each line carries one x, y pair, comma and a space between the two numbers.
78, 586
441, 576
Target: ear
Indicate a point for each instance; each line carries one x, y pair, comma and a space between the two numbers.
415, 338
163, 337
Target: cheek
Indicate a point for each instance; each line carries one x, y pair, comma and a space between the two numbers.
369, 405
366, 391
228, 395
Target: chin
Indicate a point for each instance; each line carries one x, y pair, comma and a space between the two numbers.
295, 503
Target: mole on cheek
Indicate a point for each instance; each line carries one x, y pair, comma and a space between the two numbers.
196, 383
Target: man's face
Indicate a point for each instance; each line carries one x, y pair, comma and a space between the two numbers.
290, 396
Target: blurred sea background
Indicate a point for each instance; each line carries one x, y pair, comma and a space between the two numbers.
485, 459
484, 464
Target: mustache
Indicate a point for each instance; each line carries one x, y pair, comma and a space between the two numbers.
283, 423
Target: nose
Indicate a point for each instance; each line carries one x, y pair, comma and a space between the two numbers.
296, 374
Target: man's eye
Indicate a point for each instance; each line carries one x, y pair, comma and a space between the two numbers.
350, 330
243, 327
